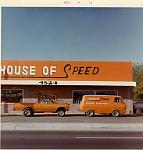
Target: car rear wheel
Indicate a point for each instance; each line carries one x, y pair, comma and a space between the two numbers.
89, 113
28, 112
115, 113
61, 113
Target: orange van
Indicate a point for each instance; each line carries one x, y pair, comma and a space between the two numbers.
102, 104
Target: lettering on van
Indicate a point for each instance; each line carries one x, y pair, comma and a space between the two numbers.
98, 98
102, 103
104, 98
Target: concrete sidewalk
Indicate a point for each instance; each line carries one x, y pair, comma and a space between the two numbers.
72, 126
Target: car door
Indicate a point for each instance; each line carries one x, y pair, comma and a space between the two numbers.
45, 106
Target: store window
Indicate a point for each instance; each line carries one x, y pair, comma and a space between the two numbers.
12, 95
78, 94
106, 92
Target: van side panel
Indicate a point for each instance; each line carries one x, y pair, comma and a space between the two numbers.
102, 104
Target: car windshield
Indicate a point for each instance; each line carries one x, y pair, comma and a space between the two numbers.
51, 101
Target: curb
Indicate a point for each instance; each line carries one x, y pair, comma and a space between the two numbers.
72, 126
21, 113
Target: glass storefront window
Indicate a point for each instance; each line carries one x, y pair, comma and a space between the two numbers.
11, 95
78, 94
106, 92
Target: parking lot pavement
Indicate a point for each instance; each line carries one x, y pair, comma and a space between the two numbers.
70, 118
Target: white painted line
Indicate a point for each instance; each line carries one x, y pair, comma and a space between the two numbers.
97, 137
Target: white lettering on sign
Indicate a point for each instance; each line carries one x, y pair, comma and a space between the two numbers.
2, 68
49, 70
52, 70
9, 70
18, 70
32, 70
45, 70
25, 70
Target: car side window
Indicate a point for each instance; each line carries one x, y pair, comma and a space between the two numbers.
45, 101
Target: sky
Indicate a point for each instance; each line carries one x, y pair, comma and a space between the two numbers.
84, 34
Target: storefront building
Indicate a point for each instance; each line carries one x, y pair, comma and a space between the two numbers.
28, 81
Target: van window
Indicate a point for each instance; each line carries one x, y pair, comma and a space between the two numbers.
117, 99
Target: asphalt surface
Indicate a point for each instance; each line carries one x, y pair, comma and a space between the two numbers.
69, 118
71, 140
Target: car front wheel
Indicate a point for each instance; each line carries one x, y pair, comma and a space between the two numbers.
115, 113
61, 113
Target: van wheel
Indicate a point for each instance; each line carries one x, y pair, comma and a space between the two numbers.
61, 113
115, 113
89, 113
28, 112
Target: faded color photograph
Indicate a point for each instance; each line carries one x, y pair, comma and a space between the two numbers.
71, 78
